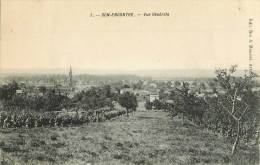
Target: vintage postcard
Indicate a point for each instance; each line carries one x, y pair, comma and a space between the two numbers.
155, 82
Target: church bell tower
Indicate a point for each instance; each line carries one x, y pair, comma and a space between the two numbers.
70, 77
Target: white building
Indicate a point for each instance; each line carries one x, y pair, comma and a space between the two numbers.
154, 97
130, 90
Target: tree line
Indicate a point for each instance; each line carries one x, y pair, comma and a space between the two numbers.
95, 104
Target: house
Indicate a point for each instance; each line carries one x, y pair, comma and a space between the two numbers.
167, 92
142, 95
153, 85
71, 94
154, 96
169, 101
63, 90
141, 92
19, 91
35, 93
130, 90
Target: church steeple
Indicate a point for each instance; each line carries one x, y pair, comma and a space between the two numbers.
70, 77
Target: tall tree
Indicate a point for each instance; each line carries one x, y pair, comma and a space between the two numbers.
107, 91
52, 102
12, 88
183, 102
129, 101
238, 100
67, 104
7, 91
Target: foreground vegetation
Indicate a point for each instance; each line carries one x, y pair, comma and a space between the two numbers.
233, 110
148, 137
95, 104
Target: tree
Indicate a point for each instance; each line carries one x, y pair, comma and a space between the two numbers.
202, 85
90, 101
148, 105
117, 89
186, 84
12, 88
161, 91
52, 102
169, 84
4, 93
211, 84
107, 90
36, 103
194, 83
78, 96
161, 84
129, 101
126, 86
114, 96
238, 101
67, 104
19, 101
42, 89
138, 85
157, 104
176, 83
22, 85
183, 102
7, 91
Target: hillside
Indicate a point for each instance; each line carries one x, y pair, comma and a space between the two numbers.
148, 137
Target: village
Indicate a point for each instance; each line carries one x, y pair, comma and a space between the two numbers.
144, 88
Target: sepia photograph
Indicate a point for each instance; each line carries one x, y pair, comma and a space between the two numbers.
120, 82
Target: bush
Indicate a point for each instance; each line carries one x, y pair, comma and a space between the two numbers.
148, 105
113, 114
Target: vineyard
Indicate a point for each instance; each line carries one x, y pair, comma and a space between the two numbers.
32, 119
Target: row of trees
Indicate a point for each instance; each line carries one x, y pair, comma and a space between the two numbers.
10, 100
92, 99
49, 102
96, 104
97, 98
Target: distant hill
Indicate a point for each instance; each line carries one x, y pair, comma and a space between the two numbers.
149, 73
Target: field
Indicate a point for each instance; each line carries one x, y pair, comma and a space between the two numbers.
146, 137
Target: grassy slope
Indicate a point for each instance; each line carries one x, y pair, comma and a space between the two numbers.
145, 138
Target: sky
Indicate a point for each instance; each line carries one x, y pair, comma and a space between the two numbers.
60, 33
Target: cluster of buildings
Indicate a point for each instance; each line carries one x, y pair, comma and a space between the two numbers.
40, 90
153, 91
149, 90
